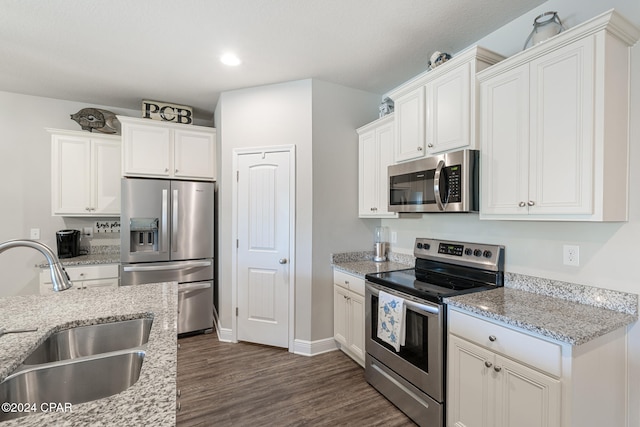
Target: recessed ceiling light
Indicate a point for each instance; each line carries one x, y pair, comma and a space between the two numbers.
230, 59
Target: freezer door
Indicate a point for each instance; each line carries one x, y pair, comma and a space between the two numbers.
195, 307
180, 271
191, 220
144, 229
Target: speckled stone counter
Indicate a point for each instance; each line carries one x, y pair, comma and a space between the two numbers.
361, 263
570, 313
151, 400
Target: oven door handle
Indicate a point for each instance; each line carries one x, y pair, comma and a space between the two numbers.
416, 306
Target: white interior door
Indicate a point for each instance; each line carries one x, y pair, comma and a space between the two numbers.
263, 247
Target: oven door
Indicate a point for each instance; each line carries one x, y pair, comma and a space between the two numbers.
421, 360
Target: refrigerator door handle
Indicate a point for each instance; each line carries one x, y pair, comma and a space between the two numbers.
165, 220
193, 287
174, 225
167, 266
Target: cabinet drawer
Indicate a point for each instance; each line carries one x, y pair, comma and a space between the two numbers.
85, 272
527, 349
348, 281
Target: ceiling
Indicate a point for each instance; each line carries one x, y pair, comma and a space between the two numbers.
119, 52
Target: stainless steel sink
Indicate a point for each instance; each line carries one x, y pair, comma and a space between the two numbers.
90, 340
71, 381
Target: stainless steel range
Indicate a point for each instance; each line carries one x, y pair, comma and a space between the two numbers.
413, 378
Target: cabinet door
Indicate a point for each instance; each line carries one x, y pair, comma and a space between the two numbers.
194, 153
71, 172
525, 397
448, 110
562, 105
146, 150
470, 384
504, 139
340, 315
409, 126
356, 327
384, 136
105, 162
368, 174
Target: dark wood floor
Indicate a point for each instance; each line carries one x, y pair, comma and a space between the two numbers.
224, 384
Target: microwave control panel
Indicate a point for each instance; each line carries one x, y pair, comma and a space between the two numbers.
454, 181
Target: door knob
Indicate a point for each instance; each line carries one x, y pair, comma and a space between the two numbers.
282, 260
522, 204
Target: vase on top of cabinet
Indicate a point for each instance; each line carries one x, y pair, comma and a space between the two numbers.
555, 127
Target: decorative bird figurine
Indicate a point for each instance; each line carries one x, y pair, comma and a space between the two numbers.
95, 119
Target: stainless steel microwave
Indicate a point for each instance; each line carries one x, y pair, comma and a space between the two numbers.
444, 183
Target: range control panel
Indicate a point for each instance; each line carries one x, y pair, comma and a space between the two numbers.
463, 253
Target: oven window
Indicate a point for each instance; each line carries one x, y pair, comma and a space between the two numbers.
415, 349
412, 189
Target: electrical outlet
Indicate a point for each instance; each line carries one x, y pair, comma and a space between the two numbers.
87, 231
571, 255
34, 234
394, 237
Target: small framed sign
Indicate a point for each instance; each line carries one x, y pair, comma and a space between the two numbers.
166, 112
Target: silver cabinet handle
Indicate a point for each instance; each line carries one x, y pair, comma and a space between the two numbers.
488, 364
430, 145
531, 203
164, 234
436, 185
522, 204
174, 221
419, 148
282, 260
492, 338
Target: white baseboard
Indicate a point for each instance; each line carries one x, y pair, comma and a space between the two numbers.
313, 348
224, 334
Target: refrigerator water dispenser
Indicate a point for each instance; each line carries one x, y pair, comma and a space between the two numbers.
144, 234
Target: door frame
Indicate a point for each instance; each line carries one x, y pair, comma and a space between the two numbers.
237, 152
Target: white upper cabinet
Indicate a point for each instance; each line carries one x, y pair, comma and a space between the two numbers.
554, 127
375, 154
436, 111
85, 173
168, 150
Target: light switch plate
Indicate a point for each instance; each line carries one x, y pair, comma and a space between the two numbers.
34, 234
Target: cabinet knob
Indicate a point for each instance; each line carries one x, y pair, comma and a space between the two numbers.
176, 170
492, 338
531, 203
178, 393
282, 260
497, 368
166, 169
488, 364
430, 145
522, 204
178, 406
346, 282
419, 148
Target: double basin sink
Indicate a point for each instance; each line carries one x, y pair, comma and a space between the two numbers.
78, 365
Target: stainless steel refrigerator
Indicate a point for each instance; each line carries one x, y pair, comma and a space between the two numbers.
167, 234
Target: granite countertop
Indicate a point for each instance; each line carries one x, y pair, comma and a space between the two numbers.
151, 400
361, 263
561, 319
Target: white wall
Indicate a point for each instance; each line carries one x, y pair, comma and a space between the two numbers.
320, 120
25, 182
608, 252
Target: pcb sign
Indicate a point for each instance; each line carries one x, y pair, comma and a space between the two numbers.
167, 112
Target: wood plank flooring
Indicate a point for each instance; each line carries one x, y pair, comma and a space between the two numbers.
224, 384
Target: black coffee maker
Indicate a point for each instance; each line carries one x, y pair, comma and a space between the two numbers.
68, 243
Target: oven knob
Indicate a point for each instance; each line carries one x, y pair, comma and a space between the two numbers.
468, 251
487, 254
426, 246
419, 245
477, 252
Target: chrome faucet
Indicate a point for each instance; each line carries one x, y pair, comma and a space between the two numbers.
59, 277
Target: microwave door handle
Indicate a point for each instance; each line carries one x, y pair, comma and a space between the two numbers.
165, 220
436, 184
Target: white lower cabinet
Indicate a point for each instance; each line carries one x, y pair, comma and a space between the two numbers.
348, 314
83, 278
499, 376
